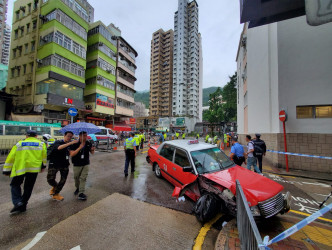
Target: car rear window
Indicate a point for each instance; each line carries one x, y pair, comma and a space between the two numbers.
167, 152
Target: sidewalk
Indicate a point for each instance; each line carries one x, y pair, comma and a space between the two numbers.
313, 236
269, 168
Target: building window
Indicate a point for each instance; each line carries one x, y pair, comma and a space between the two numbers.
16, 34
28, 27
17, 15
33, 46
323, 111
26, 48
34, 24
314, 111
24, 69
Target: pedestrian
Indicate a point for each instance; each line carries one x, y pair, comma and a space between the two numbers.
260, 150
251, 159
165, 135
177, 135
58, 157
161, 138
237, 152
197, 136
80, 153
207, 138
215, 139
26, 159
130, 151
184, 135
142, 140
138, 140
225, 140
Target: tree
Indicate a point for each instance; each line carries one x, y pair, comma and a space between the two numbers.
229, 99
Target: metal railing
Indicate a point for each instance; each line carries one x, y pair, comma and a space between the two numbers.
250, 237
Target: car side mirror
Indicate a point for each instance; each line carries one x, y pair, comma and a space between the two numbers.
187, 169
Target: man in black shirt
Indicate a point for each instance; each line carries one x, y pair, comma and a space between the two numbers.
80, 153
59, 162
259, 155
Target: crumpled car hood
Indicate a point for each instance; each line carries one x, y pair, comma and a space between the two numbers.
256, 188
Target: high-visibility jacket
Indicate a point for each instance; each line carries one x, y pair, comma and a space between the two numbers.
130, 143
225, 138
184, 136
207, 138
138, 139
165, 136
26, 156
177, 135
50, 142
197, 136
143, 135
215, 139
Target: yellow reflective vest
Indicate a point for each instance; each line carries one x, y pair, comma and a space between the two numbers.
130, 143
165, 136
143, 136
26, 156
183, 135
207, 138
138, 140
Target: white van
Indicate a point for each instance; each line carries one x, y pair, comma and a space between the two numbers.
103, 135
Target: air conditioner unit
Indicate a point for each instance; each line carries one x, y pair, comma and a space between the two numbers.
113, 37
108, 71
244, 76
39, 60
244, 41
100, 44
44, 39
99, 78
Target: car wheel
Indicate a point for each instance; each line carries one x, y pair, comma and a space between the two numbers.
157, 170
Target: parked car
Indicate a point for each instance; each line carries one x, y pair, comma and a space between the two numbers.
196, 168
104, 135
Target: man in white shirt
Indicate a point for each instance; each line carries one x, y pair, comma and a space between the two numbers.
251, 159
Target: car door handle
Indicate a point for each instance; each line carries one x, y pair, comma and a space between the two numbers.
174, 168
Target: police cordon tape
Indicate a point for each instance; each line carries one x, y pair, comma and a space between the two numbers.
297, 154
296, 227
304, 155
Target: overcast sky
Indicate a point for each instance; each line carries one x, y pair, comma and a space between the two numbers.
219, 24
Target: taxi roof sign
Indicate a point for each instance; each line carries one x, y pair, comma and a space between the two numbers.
193, 142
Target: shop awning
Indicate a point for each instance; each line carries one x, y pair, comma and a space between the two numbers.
121, 128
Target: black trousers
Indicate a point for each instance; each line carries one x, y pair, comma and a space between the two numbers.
130, 158
260, 162
51, 176
29, 181
238, 160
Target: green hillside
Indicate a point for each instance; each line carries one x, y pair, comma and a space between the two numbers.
143, 96
206, 93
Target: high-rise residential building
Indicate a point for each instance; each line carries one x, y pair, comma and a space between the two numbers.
161, 72
99, 93
125, 80
48, 58
3, 18
5, 45
187, 62
283, 66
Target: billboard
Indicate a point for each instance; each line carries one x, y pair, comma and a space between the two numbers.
104, 101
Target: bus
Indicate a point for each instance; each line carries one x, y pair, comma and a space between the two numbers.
11, 131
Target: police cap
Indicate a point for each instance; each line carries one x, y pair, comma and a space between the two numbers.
31, 132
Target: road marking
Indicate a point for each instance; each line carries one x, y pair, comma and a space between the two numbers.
76, 248
305, 214
144, 152
202, 233
34, 241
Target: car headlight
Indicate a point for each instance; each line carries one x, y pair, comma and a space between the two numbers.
255, 211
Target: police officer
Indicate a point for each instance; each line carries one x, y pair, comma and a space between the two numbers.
25, 160
177, 135
130, 150
215, 139
138, 140
165, 135
184, 135
207, 138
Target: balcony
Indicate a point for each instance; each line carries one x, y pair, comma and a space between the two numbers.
124, 96
124, 111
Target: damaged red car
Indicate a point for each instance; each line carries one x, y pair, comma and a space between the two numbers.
196, 169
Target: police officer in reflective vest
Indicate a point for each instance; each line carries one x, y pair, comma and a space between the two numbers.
25, 160
177, 135
130, 150
207, 138
184, 136
138, 140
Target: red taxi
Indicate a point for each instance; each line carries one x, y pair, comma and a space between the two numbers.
200, 168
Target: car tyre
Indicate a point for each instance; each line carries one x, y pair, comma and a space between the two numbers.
157, 170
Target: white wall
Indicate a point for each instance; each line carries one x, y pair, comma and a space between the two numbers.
305, 72
262, 79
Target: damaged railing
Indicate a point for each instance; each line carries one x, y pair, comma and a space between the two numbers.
250, 237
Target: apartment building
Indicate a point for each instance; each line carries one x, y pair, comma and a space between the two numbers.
284, 66
48, 58
187, 62
3, 18
125, 80
5, 49
161, 73
99, 93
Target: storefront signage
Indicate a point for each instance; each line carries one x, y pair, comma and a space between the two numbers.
132, 121
64, 101
104, 101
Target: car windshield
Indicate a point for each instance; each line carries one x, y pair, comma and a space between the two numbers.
210, 160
